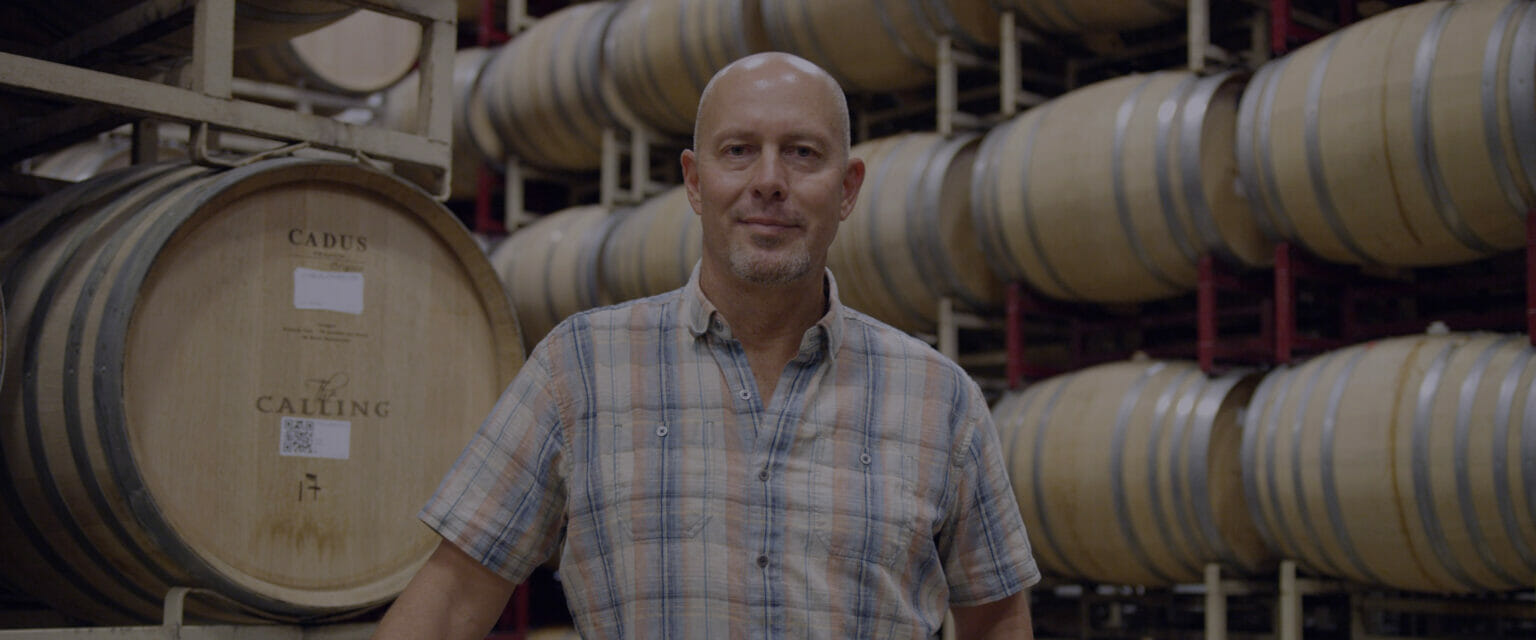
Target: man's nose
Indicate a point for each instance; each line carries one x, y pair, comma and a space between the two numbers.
768, 180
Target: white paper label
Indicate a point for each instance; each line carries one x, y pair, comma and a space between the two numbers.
328, 290
311, 438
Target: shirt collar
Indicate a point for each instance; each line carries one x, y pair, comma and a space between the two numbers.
701, 316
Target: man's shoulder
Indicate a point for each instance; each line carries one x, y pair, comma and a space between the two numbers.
864, 334
570, 341
638, 313
906, 364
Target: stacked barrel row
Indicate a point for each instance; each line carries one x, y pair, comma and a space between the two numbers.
1408, 140
547, 95
324, 46
244, 381
258, 23
908, 243
1112, 193
583, 257
1407, 463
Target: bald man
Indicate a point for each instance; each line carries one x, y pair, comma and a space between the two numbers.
743, 457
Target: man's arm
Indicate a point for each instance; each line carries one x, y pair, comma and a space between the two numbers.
1004, 619
453, 596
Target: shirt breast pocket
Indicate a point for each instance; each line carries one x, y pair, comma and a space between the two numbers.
865, 505
660, 477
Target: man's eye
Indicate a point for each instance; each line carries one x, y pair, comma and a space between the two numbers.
804, 152
736, 150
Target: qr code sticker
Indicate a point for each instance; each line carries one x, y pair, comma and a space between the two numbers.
313, 438
298, 437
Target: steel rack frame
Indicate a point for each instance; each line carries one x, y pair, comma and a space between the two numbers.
206, 98
1302, 306
173, 627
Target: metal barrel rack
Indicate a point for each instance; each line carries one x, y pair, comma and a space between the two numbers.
204, 97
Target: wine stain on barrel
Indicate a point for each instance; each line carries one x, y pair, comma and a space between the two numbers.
307, 533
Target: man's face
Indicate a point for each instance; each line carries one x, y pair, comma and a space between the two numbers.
770, 177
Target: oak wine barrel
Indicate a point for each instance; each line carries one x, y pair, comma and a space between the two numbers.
910, 239
660, 54
1093, 16
1158, 150
543, 90
41, 23
1403, 463
870, 45
550, 268
1127, 473
1408, 139
652, 248
475, 141
358, 55
280, 361
95, 156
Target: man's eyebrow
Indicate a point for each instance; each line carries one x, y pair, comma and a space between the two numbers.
790, 136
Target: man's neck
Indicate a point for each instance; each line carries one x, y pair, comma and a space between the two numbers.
769, 321
767, 317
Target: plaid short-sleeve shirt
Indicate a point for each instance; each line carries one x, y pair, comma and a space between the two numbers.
863, 499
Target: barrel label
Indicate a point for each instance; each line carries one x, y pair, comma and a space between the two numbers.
340, 291
325, 332
311, 438
323, 398
327, 241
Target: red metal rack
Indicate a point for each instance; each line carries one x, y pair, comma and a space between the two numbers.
1216, 279
1023, 305
1090, 334
484, 221
1301, 306
488, 34
1285, 31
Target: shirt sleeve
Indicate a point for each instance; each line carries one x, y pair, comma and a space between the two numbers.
984, 547
503, 502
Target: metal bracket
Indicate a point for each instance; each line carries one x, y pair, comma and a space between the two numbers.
175, 610
206, 93
198, 151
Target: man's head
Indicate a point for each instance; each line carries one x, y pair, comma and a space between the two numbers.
844, 123
770, 173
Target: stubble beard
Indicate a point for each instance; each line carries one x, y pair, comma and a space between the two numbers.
758, 264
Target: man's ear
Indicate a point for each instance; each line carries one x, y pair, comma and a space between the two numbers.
853, 178
690, 162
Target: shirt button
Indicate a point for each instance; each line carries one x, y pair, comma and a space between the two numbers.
661, 431
864, 458
762, 562
745, 395
763, 475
